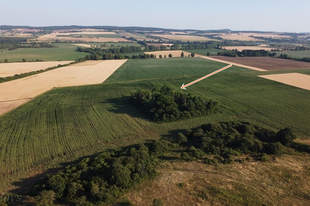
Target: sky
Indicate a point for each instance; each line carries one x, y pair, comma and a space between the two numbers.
240, 15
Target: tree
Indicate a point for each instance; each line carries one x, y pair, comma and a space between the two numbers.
45, 198
285, 136
160, 56
6, 61
170, 55
192, 55
208, 53
182, 54
165, 56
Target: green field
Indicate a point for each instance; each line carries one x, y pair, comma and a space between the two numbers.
97, 35
204, 51
69, 123
298, 54
64, 52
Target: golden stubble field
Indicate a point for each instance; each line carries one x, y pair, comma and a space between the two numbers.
66, 37
10, 69
240, 48
250, 36
293, 79
175, 53
17, 92
183, 37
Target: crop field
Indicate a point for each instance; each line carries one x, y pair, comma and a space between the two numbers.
83, 37
293, 79
67, 123
63, 52
10, 69
266, 63
80, 74
241, 48
174, 53
183, 37
298, 54
204, 51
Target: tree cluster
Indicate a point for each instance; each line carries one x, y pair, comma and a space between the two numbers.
101, 179
12, 43
167, 105
228, 139
304, 59
247, 53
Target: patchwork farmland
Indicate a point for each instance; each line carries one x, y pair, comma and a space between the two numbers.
56, 118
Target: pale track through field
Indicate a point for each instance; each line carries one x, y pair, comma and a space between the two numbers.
17, 92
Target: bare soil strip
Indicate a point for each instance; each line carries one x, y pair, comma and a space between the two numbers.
17, 92
229, 62
10, 69
293, 79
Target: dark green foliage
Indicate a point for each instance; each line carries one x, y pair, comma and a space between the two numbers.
45, 198
103, 178
166, 105
286, 136
229, 139
247, 53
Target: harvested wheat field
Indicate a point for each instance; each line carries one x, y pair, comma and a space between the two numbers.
238, 37
266, 63
91, 72
175, 53
183, 37
241, 48
10, 69
294, 79
85, 37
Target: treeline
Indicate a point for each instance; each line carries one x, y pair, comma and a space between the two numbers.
304, 59
222, 142
167, 105
247, 53
12, 43
101, 179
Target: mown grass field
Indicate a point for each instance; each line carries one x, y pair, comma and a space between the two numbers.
64, 52
68, 123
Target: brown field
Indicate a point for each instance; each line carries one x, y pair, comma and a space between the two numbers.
182, 37
14, 93
175, 53
10, 69
268, 35
240, 48
266, 63
67, 37
294, 79
230, 62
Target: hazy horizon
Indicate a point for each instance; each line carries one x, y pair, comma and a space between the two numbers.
239, 15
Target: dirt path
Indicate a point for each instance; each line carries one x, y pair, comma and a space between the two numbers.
17, 92
227, 62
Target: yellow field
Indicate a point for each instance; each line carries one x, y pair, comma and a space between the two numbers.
240, 48
182, 37
10, 69
294, 79
250, 36
175, 53
14, 93
66, 37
